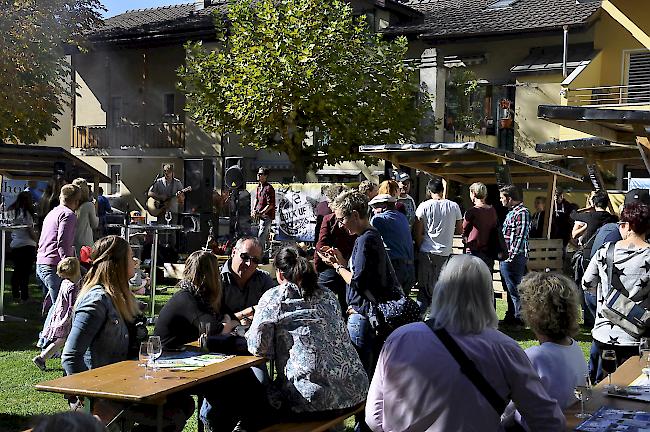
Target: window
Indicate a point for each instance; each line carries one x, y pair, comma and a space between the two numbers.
500, 4
638, 77
169, 108
116, 112
115, 173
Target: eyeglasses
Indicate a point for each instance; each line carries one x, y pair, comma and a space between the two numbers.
248, 257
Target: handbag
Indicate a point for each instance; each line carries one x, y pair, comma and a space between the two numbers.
619, 308
497, 248
387, 315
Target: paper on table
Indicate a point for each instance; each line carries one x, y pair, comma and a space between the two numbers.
610, 419
642, 380
638, 390
184, 362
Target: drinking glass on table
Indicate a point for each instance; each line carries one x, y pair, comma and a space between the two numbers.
608, 362
144, 357
156, 350
582, 392
168, 217
644, 359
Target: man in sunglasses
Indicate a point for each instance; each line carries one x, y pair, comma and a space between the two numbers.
243, 283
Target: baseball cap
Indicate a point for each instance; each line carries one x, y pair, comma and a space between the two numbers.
402, 176
382, 198
638, 195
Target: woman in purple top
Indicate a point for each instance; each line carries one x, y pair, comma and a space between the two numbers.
57, 242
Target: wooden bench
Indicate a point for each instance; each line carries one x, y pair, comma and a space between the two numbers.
315, 426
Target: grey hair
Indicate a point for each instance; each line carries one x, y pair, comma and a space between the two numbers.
366, 186
242, 240
463, 298
352, 200
479, 190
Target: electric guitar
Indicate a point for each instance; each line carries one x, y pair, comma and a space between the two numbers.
158, 208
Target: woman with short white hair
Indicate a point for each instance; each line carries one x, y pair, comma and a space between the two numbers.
419, 385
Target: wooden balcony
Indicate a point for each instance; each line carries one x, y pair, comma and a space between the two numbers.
145, 135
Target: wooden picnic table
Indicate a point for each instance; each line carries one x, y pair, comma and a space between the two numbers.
124, 381
624, 375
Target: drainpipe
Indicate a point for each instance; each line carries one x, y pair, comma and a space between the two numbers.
565, 53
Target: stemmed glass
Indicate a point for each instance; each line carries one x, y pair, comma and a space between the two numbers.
583, 393
644, 357
608, 361
155, 350
168, 217
144, 357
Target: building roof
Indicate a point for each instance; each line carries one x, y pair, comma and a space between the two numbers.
183, 21
468, 162
454, 19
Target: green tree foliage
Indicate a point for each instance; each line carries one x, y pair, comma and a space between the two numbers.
464, 99
283, 69
34, 73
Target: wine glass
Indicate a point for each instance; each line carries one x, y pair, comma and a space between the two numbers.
608, 362
168, 217
144, 357
644, 359
582, 392
156, 350
204, 332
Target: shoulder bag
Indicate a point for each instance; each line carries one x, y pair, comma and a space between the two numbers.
619, 308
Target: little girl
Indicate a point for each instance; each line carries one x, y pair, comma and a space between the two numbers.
59, 327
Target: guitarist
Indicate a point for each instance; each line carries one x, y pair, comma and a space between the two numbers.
168, 190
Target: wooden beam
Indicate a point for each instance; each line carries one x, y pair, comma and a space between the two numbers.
406, 157
550, 208
643, 145
517, 169
25, 168
431, 170
29, 158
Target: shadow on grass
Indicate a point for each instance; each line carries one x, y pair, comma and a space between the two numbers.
20, 335
13, 422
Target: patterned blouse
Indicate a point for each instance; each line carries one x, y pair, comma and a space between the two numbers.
318, 369
633, 267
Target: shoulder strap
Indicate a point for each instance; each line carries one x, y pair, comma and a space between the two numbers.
468, 368
610, 263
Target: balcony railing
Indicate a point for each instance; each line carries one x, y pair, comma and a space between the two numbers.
610, 95
144, 135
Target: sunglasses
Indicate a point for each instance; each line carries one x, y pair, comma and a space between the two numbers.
247, 257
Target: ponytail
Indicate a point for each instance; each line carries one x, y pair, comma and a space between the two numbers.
297, 269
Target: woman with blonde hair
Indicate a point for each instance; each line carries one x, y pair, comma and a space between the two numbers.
99, 334
199, 300
391, 187
407, 393
87, 219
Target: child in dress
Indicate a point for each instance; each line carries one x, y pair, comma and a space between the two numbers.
59, 327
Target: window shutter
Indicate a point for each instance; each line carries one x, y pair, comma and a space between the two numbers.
638, 77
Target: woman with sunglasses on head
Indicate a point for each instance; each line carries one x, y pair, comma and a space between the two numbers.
99, 334
299, 326
630, 259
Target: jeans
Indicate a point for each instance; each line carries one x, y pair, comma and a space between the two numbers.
589, 308
239, 396
24, 259
511, 273
368, 347
329, 279
405, 272
263, 232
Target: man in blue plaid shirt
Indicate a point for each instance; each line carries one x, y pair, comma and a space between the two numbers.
516, 229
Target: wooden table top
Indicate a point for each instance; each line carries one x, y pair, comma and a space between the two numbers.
124, 381
624, 375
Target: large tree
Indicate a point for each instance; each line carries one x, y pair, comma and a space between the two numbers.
284, 69
34, 72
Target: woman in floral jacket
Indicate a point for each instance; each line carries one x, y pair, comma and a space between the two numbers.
299, 326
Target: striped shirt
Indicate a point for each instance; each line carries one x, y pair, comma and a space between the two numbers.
516, 229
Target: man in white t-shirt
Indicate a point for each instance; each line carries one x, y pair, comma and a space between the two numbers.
437, 220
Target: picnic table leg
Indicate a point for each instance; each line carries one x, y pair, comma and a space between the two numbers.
159, 418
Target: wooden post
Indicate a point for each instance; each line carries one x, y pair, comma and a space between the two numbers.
550, 208
644, 148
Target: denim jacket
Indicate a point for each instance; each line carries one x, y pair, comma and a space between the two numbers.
99, 335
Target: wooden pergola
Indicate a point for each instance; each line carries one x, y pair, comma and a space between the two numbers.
470, 162
37, 162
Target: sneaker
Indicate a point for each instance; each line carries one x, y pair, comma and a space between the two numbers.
39, 362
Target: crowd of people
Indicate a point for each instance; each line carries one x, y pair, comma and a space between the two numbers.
318, 321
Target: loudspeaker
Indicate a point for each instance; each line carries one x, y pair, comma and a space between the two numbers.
234, 178
197, 229
199, 173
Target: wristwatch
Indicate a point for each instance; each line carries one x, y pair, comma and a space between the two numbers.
337, 267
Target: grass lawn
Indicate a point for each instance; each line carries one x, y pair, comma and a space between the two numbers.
19, 402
